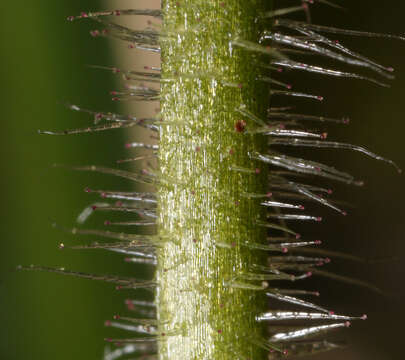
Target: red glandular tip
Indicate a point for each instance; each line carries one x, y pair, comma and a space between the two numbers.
319, 218
107, 323
364, 317
94, 207
61, 246
284, 250
318, 242
240, 126
116, 317
347, 323
107, 222
87, 190
298, 236
129, 304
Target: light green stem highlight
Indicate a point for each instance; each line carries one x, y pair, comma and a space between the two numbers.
206, 309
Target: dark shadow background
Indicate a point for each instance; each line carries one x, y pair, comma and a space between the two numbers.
43, 58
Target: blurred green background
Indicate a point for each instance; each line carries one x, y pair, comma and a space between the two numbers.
43, 58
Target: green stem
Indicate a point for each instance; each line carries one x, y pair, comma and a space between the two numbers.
206, 308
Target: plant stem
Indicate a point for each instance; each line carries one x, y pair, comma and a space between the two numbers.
206, 309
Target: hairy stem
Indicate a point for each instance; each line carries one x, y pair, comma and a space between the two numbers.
206, 303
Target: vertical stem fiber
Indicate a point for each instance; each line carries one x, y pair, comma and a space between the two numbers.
206, 307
